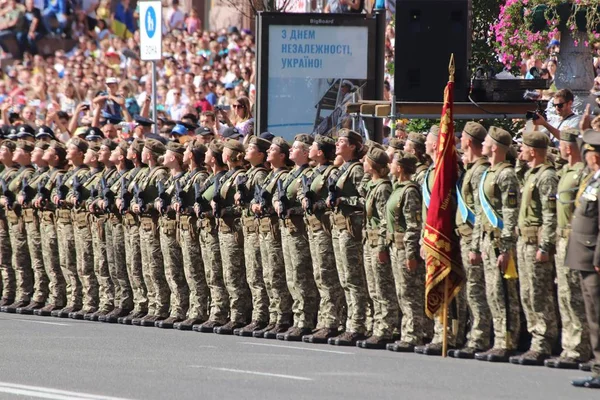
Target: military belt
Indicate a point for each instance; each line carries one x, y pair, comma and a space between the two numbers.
29, 215
464, 230
397, 238
48, 216
63, 216
12, 216
266, 224
186, 222
528, 231
250, 225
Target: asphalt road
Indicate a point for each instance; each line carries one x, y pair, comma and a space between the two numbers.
64, 359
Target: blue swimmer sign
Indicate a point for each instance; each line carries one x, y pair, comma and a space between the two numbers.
150, 30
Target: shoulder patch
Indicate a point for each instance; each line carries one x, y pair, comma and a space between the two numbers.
552, 202
512, 198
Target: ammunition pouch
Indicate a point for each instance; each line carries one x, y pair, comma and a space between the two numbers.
147, 224
12, 217
268, 224
295, 224
47, 217
63, 216
29, 215
351, 222
207, 224
373, 237
397, 239
464, 230
80, 219
129, 220
530, 234
168, 226
115, 219
250, 225
313, 223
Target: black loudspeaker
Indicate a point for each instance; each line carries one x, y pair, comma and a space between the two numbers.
427, 32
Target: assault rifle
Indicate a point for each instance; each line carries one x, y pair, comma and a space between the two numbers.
308, 194
333, 191
107, 195
284, 203
125, 196
10, 197
136, 196
77, 190
240, 187
162, 197
177, 196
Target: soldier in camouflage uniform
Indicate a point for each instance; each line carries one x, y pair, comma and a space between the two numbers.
298, 262
478, 338
537, 237
65, 230
376, 252
16, 222
54, 156
404, 220
256, 154
113, 157
231, 239
81, 190
415, 145
152, 257
32, 227
332, 305
131, 227
575, 336
8, 273
193, 265
271, 249
169, 232
494, 240
348, 217
209, 242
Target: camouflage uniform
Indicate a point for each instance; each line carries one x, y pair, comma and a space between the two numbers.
381, 287
575, 334
481, 319
152, 257
537, 230
231, 242
18, 239
298, 263
6, 267
172, 255
193, 264
501, 188
419, 175
254, 265
57, 286
84, 245
404, 229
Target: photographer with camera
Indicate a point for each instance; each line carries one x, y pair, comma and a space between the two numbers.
565, 117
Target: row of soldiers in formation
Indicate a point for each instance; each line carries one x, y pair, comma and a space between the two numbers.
229, 239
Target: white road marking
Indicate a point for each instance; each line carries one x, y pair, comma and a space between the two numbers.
296, 348
49, 393
242, 371
40, 322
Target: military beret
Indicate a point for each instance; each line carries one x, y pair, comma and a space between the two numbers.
304, 138
123, 146
434, 130
350, 134
137, 145
59, 148
175, 147
475, 130
396, 143
42, 145
378, 156
500, 136
282, 144
406, 159
155, 146
108, 143
418, 139
325, 143
371, 144
9, 144
569, 135
535, 139
591, 140
262, 144
216, 147
197, 147
234, 144
25, 146
81, 144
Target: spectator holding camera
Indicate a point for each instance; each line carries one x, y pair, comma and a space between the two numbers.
565, 117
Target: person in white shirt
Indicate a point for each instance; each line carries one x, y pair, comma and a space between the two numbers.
565, 117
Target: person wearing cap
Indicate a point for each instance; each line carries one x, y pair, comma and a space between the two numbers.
143, 129
54, 157
18, 238
93, 134
332, 306
494, 243
32, 228
583, 254
475, 164
246, 186
131, 226
45, 133
193, 266
152, 257
404, 224
204, 135
168, 229
178, 133
435, 346
66, 223
231, 133
415, 145
535, 246
348, 216
298, 262
231, 239
376, 251
26, 132
209, 241
393, 146
274, 273
575, 339
94, 282
8, 172
110, 101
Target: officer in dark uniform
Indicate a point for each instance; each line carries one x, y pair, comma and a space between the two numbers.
145, 124
583, 251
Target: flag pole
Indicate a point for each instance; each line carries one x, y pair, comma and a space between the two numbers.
451, 70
